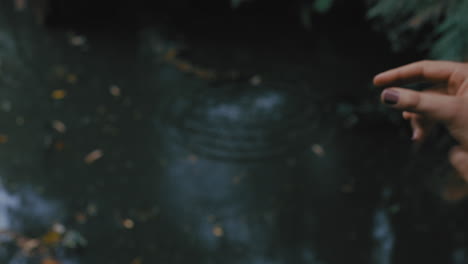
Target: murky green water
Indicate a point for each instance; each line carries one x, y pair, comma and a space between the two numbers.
180, 144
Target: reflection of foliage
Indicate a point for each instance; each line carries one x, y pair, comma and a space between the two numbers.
438, 25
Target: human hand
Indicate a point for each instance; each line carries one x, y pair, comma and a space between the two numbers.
446, 103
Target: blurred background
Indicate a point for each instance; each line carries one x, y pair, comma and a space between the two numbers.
222, 131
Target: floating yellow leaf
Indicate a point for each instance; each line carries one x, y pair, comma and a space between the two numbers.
51, 238
59, 94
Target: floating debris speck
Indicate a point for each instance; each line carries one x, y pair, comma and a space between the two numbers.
3, 138
58, 228
93, 156
51, 238
58, 94
59, 126
318, 150
115, 90
128, 223
255, 80
28, 245
77, 40
136, 261
218, 231
71, 78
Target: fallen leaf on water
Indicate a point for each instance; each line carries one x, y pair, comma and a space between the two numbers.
51, 238
93, 156
318, 150
58, 94
128, 223
28, 245
136, 261
58, 228
50, 261
114, 90
218, 231
3, 138
59, 126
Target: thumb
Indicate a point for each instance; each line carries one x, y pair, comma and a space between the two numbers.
439, 107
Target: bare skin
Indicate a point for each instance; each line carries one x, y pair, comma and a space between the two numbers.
446, 103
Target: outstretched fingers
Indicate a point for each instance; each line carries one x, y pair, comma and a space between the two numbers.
437, 107
431, 71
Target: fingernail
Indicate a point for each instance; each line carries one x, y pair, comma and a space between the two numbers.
391, 97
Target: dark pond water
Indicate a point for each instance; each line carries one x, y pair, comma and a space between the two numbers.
171, 142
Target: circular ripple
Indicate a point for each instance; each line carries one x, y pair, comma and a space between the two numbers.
245, 123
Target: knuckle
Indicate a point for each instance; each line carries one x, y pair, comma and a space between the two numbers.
413, 101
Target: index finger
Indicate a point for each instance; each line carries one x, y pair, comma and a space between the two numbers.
432, 71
